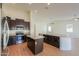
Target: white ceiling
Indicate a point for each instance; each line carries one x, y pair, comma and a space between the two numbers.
54, 10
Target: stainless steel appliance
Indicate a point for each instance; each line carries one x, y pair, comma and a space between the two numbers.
19, 34
5, 32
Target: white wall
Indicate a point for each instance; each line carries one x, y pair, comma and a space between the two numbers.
14, 11
38, 23
59, 27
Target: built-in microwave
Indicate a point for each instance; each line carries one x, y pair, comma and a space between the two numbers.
19, 27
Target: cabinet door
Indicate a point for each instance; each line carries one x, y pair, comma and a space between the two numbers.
12, 24
27, 25
19, 21
11, 41
52, 40
38, 46
31, 44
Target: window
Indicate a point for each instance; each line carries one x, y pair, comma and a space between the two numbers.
49, 29
69, 28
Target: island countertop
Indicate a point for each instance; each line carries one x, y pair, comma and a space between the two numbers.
35, 43
35, 37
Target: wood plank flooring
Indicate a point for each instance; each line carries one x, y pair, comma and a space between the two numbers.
19, 50
23, 50
48, 50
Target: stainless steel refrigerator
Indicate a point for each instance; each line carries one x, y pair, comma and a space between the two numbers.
5, 34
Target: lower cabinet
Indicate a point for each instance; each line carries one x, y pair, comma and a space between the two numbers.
12, 40
35, 45
52, 40
31, 45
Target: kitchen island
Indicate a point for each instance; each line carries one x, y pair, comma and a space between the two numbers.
35, 44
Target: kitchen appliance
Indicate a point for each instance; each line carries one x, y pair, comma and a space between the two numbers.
19, 34
19, 37
5, 32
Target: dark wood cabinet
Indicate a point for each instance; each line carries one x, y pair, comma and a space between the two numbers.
52, 40
35, 45
12, 24
27, 25
12, 40
38, 46
22, 22
31, 44
19, 21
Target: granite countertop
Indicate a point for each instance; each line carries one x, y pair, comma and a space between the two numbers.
35, 37
60, 35
64, 35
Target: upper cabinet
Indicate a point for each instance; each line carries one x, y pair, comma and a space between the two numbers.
19, 21
13, 23
22, 22
27, 25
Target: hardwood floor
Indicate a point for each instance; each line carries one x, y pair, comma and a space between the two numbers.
19, 50
48, 50
23, 50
